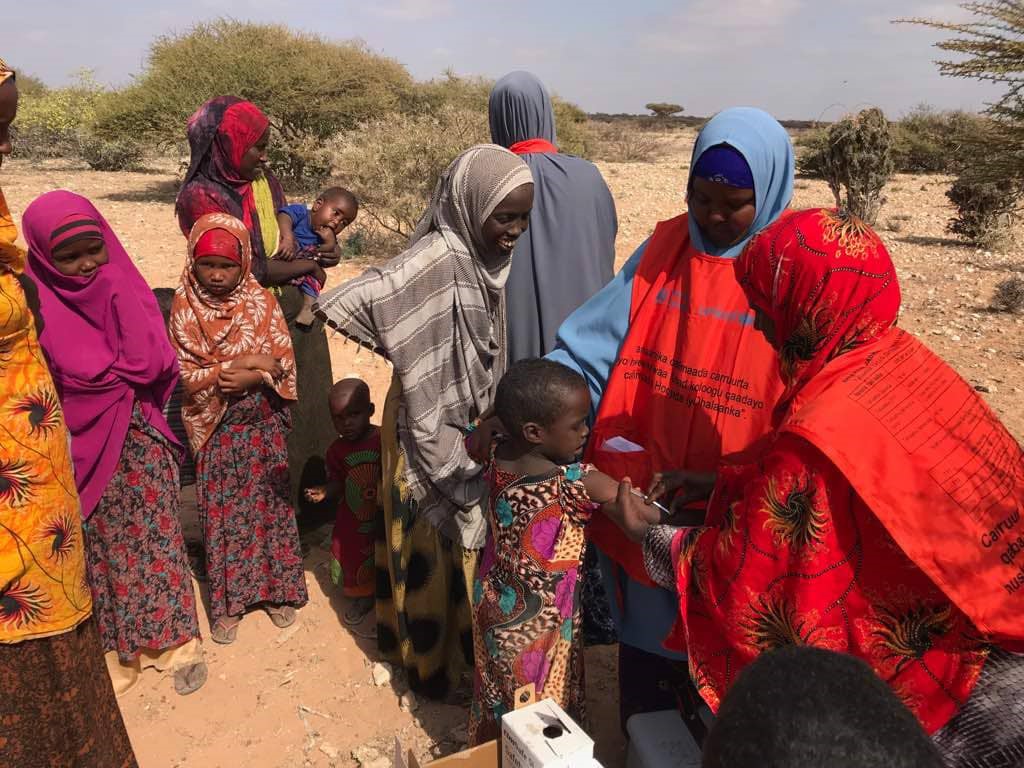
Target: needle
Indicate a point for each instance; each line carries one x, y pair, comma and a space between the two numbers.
655, 504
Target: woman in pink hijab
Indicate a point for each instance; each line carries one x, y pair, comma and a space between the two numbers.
114, 370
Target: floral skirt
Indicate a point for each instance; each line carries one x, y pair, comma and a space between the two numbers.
135, 551
242, 491
57, 707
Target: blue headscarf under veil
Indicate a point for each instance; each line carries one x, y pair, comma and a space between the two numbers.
765, 145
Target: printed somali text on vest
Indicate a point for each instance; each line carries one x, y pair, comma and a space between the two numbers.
695, 387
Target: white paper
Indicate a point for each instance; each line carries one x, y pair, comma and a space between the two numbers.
621, 445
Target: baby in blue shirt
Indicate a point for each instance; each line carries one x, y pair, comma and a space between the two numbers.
308, 233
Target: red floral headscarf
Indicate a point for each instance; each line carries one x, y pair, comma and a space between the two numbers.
828, 284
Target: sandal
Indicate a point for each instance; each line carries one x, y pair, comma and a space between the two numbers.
356, 613
282, 615
190, 678
224, 633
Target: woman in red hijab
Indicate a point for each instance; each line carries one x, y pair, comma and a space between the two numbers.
229, 139
883, 519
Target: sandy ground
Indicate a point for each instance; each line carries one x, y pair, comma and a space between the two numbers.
305, 696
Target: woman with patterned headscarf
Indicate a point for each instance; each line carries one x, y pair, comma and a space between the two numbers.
437, 313
228, 138
677, 373
882, 520
57, 704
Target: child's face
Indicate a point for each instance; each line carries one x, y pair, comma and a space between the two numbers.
563, 439
334, 212
82, 258
217, 275
350, 413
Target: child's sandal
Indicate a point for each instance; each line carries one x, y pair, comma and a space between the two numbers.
190, 678
282, 615
224, 633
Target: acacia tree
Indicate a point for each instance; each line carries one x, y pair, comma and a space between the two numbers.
990, 185
990, 48
664, 110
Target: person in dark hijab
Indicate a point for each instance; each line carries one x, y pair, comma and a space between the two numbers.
568, 253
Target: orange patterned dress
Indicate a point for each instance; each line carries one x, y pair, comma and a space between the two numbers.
43, 588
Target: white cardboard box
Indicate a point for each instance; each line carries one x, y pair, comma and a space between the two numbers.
542, 735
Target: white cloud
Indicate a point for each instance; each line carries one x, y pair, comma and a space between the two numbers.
412, 10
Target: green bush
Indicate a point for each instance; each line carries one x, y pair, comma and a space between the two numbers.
309, 87
984, 213
102, 155
929, 141
858, 160
391, 163
51, 122
924, 141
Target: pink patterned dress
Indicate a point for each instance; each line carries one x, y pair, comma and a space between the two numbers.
526, 597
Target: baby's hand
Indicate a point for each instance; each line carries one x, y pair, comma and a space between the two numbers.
316, 494
330, 239
287, 248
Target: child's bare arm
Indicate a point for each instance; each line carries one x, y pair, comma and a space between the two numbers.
286, 249
318, 493
630, 511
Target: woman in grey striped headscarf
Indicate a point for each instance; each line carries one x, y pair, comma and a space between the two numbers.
437, 313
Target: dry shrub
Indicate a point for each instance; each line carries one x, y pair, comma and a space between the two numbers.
624, 142
985, 213
1009, 295
858, 161
392, 163
50, 122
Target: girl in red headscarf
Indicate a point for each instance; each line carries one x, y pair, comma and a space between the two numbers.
229, 138
883, 517
238, 371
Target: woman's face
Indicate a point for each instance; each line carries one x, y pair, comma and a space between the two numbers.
723, 213
508, 221
82, 258
255, 158
8, 111
217, 274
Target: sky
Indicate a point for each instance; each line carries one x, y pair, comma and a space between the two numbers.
799, 59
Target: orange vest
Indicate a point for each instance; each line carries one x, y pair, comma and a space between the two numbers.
934, 465
693, 381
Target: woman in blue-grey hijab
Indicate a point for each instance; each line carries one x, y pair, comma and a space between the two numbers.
671, 314
564, 258
568, 253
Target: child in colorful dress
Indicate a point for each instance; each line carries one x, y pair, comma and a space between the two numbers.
238, 368
353, 478
526, 602
306, 233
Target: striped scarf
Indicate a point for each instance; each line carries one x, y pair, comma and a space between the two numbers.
437, 313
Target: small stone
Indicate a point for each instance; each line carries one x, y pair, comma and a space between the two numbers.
408, 702
981, 388
954, 337
381, 674
330, 750
365, 754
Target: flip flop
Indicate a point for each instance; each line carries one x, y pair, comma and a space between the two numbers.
282, 615
224, 633
189, 679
